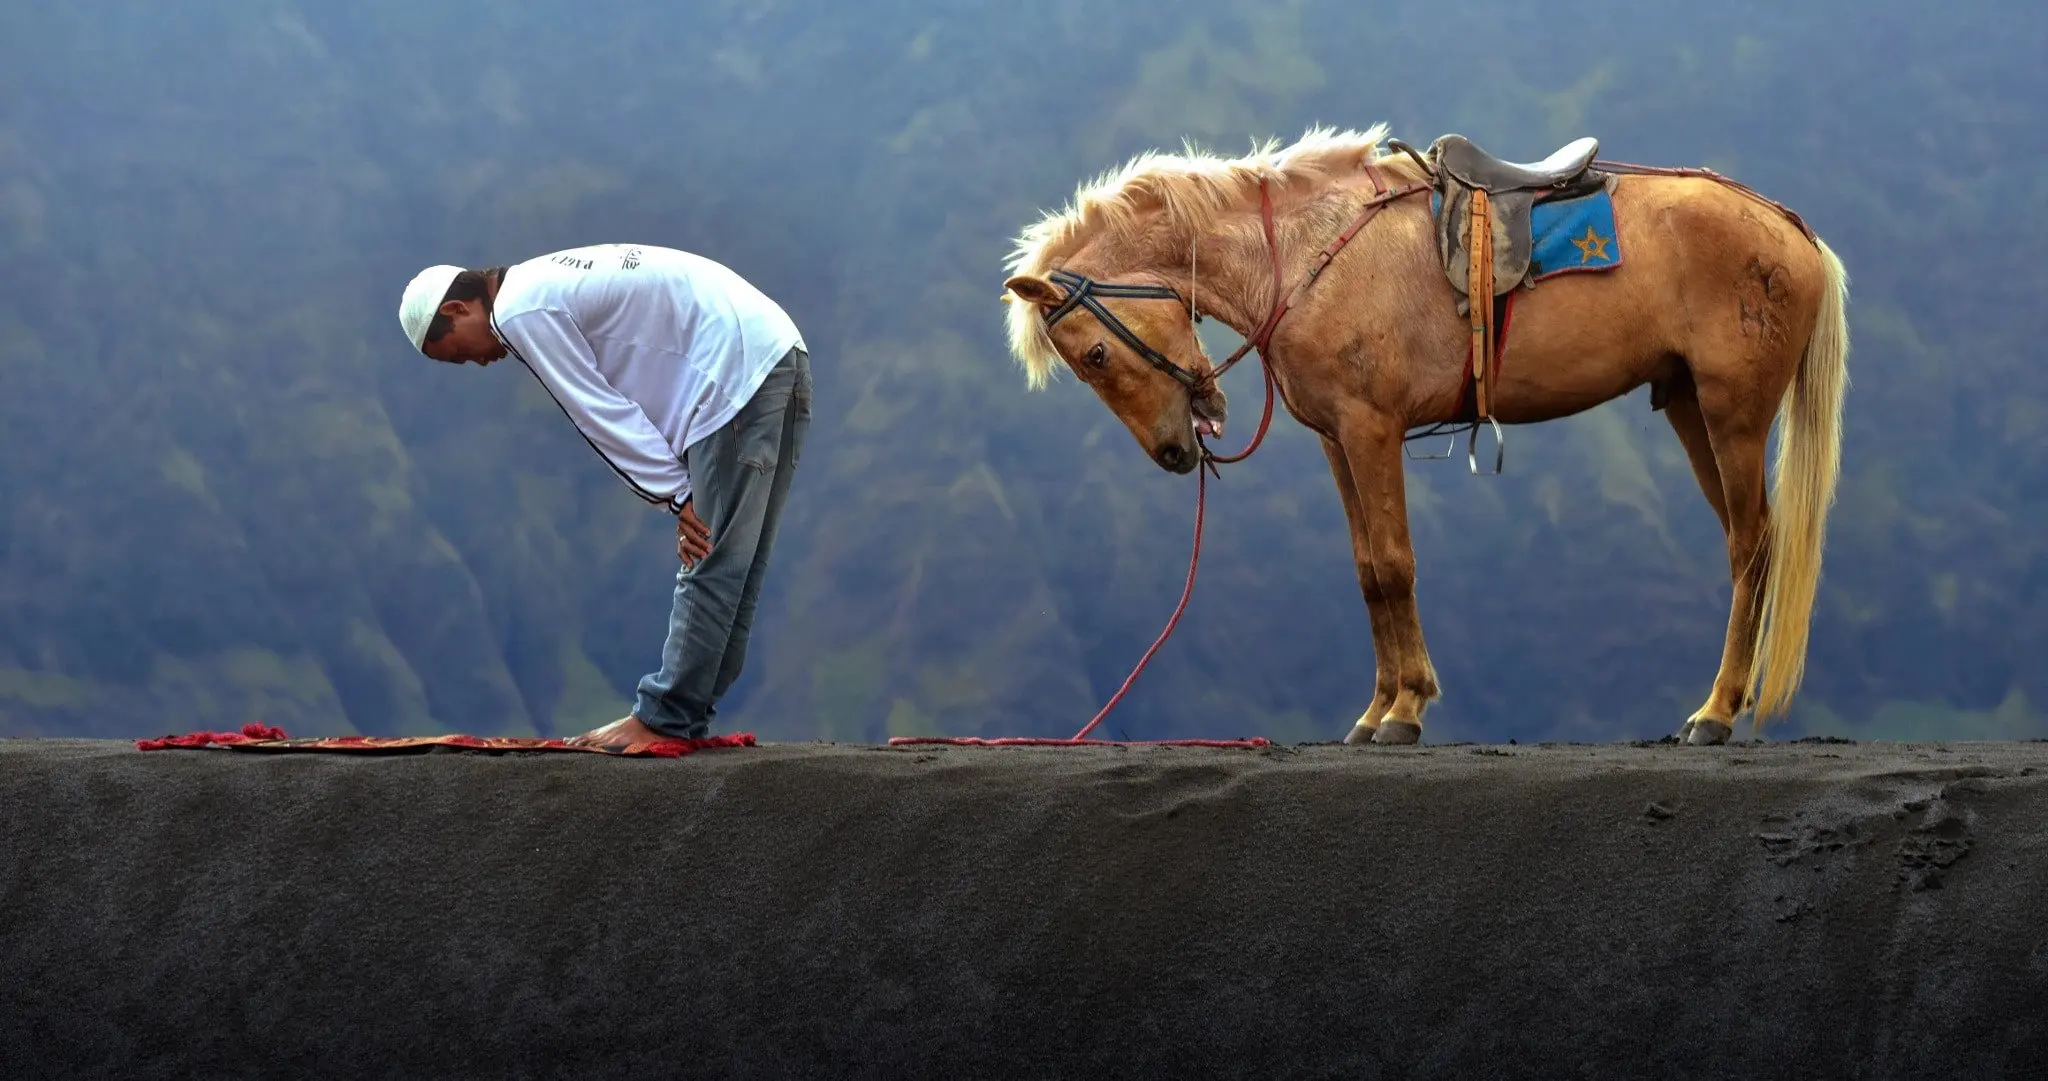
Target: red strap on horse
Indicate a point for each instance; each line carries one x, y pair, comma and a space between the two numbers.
1282, 302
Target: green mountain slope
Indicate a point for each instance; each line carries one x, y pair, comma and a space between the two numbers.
229, 493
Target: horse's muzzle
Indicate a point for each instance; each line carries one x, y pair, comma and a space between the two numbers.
1175, 458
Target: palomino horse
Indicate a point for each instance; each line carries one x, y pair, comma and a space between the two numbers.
1724, 303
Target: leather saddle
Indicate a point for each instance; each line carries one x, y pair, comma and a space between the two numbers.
1483, 226
1460, 169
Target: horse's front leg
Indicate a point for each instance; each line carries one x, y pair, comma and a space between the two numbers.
1371, 445
1384, 685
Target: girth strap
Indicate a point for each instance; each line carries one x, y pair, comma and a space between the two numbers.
1479, 288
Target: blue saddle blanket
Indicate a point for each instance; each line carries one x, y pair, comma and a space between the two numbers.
1569, 234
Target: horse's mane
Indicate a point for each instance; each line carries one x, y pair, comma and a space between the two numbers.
1192, 188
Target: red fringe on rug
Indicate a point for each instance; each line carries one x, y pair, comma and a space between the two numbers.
249, 733
262, 737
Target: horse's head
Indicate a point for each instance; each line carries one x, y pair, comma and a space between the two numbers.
1121, 339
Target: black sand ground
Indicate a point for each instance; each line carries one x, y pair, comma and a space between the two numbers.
1812, 910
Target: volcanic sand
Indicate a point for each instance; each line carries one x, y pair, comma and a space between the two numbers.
1805, 909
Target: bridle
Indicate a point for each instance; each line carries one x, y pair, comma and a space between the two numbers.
1083, 291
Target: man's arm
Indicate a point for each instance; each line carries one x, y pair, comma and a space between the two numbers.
613, 424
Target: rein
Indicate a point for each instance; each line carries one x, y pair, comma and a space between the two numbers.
1082, 290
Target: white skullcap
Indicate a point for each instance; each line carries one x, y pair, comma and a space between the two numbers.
422, 301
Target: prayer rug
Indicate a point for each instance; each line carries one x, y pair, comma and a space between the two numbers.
263, 737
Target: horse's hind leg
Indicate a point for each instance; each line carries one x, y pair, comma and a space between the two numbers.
1736, 415
1682, 409
1384, 686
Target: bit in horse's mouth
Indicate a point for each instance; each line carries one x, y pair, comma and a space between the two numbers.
1209, 412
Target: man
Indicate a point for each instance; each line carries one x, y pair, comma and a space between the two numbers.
693, 386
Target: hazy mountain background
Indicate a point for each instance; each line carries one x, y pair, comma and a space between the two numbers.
230, 492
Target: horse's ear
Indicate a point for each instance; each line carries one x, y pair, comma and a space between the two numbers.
1033, 289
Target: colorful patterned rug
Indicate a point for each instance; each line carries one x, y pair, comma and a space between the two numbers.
263, 737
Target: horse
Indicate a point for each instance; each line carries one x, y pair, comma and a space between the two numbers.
1724, 303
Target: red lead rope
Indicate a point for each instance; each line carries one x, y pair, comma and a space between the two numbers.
1258, 340
1187, 591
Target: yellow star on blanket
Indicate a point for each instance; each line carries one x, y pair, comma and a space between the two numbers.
1592, 246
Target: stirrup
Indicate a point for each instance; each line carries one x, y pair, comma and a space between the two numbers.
1500, 449
1449, 450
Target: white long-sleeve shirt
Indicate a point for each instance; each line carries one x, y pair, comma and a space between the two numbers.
647, 349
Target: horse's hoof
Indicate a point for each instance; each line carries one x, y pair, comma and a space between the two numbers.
1398, 732
1707, 733
1360, 733
1685, 731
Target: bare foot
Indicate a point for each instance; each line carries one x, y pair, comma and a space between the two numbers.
623, 735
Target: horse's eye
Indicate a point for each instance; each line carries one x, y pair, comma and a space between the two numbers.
1098, 354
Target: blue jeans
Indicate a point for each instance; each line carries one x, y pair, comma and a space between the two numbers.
739, 479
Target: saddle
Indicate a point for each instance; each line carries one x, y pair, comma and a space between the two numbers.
1482, 226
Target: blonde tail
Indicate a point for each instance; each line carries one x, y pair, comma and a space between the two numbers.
1802, 491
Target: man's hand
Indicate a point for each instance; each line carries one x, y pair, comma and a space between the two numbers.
693, 537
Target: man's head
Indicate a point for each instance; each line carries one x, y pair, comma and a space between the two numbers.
446, 314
